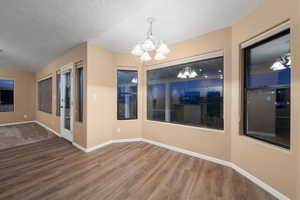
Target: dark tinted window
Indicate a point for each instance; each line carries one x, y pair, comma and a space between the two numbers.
127, 94
58, 93
45, 95
189, 94
6, 95
267, 90
79, 76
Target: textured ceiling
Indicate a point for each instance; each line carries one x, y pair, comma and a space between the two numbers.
34, 32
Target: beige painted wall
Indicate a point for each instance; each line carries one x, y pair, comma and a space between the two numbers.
273, 165
24, 95
297, 88
201, 140
51, 120
101, 95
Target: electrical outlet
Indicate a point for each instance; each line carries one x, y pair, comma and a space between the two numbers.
118, 130
25, 116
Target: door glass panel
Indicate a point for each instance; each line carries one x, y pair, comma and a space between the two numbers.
67, 97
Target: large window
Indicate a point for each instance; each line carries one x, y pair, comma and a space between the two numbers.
45, 95
188, 94
58, 91
6, 95
267, 90
79, 93
127, 94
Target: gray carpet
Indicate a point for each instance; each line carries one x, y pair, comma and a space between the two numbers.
16, 135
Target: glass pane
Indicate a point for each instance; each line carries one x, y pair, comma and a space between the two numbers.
67, 99
127, 106
6, 95
268, 68
58, 94
196, 99
268, 63
127, 94
156, 102
80, 94
45, 95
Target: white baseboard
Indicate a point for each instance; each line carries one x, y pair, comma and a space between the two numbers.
127, 140
246, 174
259, 182
16, 123
98, 146
89, 149
190, 153
46, 127
79, 146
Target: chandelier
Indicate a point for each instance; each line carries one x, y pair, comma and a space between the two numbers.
282, 63
187, 72
142, 49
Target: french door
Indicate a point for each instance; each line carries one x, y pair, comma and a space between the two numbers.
66, 102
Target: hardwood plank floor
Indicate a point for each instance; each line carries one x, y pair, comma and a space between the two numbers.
54, 169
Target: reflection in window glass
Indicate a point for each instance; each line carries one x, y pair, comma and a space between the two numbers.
267, 87
79, 80
127, 94
6, 95
188, 94
45, 95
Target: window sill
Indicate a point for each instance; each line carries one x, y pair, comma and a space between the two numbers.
127, 119
265, 144
187, 126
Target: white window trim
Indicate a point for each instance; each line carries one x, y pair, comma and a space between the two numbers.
44, 78
205, 56
282, 27
127, 68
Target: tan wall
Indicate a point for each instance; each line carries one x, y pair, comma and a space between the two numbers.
201, 140
101, 95
271, 164
297, 88
24, 95
128, 128
51, 120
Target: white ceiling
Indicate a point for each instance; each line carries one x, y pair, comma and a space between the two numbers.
34, 32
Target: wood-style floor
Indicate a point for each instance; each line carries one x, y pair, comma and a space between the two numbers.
54, 169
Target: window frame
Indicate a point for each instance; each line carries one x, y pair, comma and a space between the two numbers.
128, 69
205, 56
14, 93
37, 92
269, 36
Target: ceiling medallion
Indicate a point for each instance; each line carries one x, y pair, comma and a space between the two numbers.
151, 43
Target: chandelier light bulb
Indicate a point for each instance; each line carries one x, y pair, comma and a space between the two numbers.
159, 56
145, 57
148, 45
137, 50
278, 66
134, 80
163, 49
193, 74
186, 72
